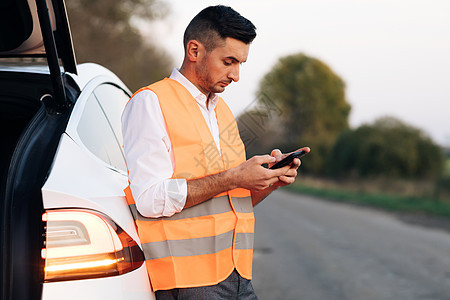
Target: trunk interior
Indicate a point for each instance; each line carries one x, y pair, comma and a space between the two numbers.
30, 131
19, 101
19, 104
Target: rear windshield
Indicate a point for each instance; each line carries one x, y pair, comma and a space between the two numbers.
16, 23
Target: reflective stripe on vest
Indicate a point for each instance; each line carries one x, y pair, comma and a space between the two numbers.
202, 244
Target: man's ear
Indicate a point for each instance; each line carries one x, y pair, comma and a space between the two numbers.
194, 50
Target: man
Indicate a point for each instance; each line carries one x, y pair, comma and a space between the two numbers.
191, 189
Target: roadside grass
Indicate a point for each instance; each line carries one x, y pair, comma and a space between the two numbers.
386, 201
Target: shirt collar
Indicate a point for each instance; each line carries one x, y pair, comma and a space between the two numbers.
194, 91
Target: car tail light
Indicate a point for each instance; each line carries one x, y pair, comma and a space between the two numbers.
82, 244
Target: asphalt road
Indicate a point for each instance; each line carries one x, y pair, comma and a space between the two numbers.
306, 248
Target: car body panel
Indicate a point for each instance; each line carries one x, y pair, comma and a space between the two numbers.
80, 180
88, 72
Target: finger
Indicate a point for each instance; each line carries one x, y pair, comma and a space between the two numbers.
306, 149
296, 162
287, 179
291, 173
280, 171
264, 159
276, 153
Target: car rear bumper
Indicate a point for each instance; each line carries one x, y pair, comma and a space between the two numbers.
134, 285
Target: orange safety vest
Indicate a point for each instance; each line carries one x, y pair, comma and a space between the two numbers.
203, 244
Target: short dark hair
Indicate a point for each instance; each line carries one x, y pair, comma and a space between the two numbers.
216, 22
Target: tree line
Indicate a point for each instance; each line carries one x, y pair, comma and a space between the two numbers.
301, 102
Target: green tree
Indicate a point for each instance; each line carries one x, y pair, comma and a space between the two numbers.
310, 99
388, 148
105, 32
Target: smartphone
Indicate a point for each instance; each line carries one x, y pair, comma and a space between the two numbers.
288, 159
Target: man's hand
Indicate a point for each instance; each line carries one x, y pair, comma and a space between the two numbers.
291, 170
288, 174
251, 175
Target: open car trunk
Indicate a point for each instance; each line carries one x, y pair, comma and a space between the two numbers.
34, 111
30, 133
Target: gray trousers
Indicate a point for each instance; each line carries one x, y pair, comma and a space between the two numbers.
234, 287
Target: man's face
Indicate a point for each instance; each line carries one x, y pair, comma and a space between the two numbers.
219, 67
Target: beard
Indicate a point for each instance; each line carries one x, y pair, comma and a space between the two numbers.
207, 84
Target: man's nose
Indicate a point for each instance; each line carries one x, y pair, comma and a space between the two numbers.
234, 73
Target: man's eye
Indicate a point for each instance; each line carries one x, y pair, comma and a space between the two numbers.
227, 63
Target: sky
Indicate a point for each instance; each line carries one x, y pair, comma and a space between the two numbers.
393, 55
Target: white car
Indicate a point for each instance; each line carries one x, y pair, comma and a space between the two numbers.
65, 228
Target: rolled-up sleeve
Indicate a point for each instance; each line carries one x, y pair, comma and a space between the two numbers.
150, 158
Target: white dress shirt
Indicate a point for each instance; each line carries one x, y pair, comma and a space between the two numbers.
149, 153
